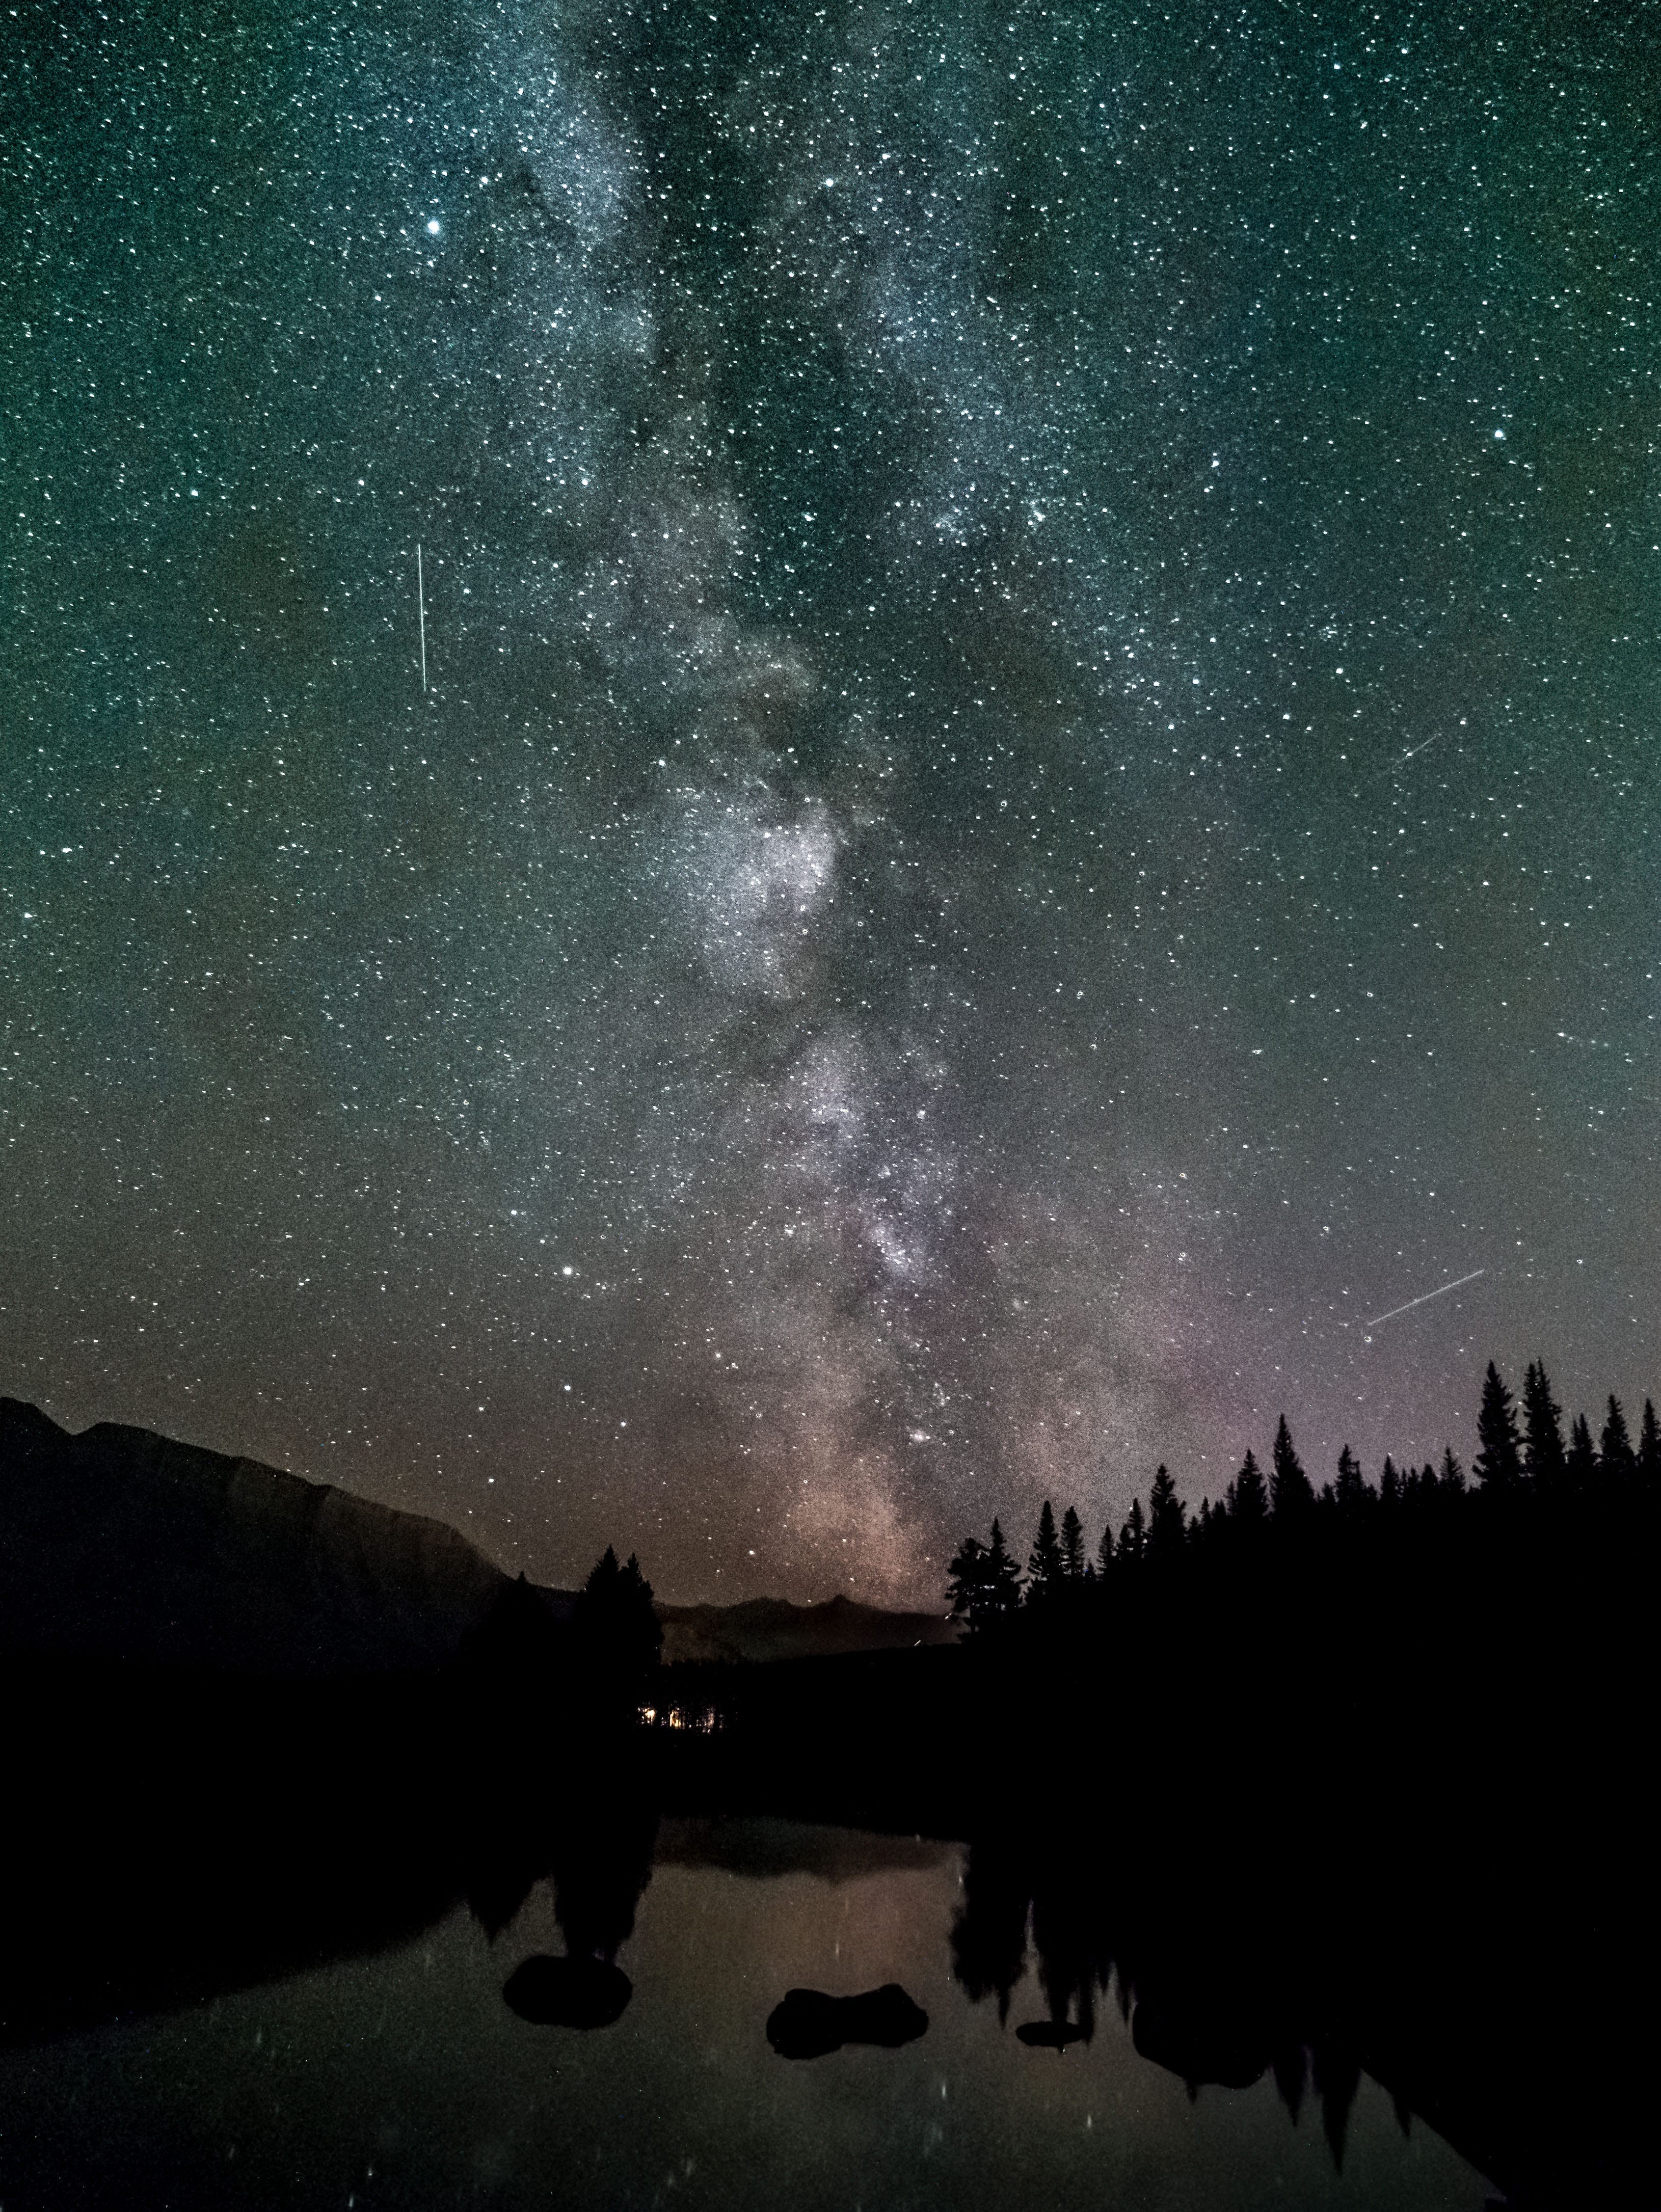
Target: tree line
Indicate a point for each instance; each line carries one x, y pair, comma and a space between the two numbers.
1525, 1464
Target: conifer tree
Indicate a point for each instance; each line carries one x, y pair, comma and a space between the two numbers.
1043, 1567
1390, 1484
1248, 1496
1290, 1491
1104, 1554
1582, 1457
1453, 1475
1003, 1577
1133, 1537
1543, 1456
615, 1621
968, 1587
1649, 1446
1615, 1455
1351, 1491
1073, 1562
1167, 1520
1499, 1461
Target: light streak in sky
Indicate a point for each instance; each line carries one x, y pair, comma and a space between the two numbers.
1441, 1292
421, 608
1412, 753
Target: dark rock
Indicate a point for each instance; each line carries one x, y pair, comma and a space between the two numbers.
1051, 2034
806, 2023
569, 1992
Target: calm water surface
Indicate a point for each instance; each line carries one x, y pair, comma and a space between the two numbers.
404, 2080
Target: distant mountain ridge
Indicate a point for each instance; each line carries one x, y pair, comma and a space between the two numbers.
759, 1629
118, 1543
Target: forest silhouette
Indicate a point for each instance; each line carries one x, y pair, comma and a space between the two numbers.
1316, 1782
1530, 1485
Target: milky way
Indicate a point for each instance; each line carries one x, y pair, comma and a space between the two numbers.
1040, 784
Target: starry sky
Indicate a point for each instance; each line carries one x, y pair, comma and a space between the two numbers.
1038, 788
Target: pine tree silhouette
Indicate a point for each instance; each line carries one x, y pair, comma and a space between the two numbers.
1290, 1491
1104, 1554
1543, 1456
1248, 1496
1390, 1485
1649, 1446
1615, 1455
1453, 1475
1044, 1570
1003, 1577
1166, 1519
1499, 1461
615, 1621
1133, 1537
968, 1586
1582, 1456
1351, 1493
1071, 1547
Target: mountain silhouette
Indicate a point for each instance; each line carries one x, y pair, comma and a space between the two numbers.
120, 1544
761, 1629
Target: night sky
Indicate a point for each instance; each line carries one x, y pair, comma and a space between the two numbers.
1039, 790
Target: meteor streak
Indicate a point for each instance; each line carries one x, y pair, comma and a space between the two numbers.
1441, 1292
421, 608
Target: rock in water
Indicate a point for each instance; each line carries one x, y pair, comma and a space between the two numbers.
806, 2023
1051, 2034
569, 1992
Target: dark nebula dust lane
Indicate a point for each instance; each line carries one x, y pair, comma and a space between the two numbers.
1039, 788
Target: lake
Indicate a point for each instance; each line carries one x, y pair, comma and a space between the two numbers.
404, 2078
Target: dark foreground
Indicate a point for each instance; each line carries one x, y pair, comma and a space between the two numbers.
1460, 1911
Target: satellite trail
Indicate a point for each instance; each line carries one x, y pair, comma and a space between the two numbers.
1440, 1292
421, 608
1412, 753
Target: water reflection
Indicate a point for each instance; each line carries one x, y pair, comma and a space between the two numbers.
581, 1965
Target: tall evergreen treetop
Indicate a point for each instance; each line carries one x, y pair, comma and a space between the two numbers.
1133, 1537
1543, 1455
614, 1620
1248, 1495
1614, 1453
1351, 1490
966, 1587
1166, 1517
1453, 1475
1290, 1491
1649, 1446
1044, 1568
1582, 1456
1104, 1554
1499, 1461
1003, 1577
1073, 1560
